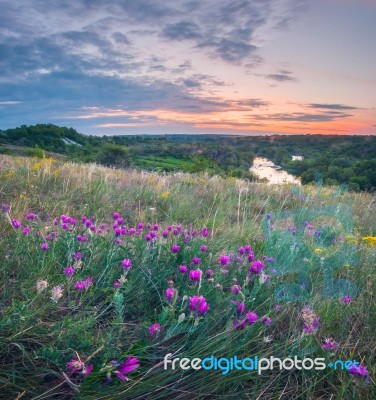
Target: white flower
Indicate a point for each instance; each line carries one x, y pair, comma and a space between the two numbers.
56, 293
268, 339
41, 285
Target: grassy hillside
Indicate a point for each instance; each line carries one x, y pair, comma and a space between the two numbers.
94, 292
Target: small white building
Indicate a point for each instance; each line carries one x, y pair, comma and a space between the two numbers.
297, 158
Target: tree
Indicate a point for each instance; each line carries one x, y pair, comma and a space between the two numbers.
37, 152
113, 155
201, 164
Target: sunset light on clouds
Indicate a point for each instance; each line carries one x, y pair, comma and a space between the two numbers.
155, 67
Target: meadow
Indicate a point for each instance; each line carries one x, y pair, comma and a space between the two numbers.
105, 271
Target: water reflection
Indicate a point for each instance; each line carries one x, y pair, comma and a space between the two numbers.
264, 168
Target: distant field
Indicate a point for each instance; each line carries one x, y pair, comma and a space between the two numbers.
166, 163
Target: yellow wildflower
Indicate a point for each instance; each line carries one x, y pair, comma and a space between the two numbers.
165, 195
36, 166
370, 240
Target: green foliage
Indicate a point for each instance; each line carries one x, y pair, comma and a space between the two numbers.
119, 306
37, 152
202, 164
347, 159
113, 155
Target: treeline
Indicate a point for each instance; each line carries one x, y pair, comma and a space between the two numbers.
147, 152
336, 159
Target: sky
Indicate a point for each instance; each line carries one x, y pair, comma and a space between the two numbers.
240, 67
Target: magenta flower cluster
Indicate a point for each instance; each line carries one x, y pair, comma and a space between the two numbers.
75, 366
250, 318
121, 369
359, 371
154, 329
256, 267
330, 344
170, 294
195, 275
84, 284
126, 263
198, 305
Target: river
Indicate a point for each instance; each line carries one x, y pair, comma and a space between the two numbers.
264, 168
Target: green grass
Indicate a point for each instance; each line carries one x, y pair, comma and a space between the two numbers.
38, 337
165, 163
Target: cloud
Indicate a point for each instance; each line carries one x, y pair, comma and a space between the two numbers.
49, 34
200, 81
229, 124
254, 62
229, 27
252, 103
183, 30
331, 106
282, 76
302, 117
231, 50
77, 88
192, 83
123, 119
142, 11
182, 68
58, 56
119, 37
69, 52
